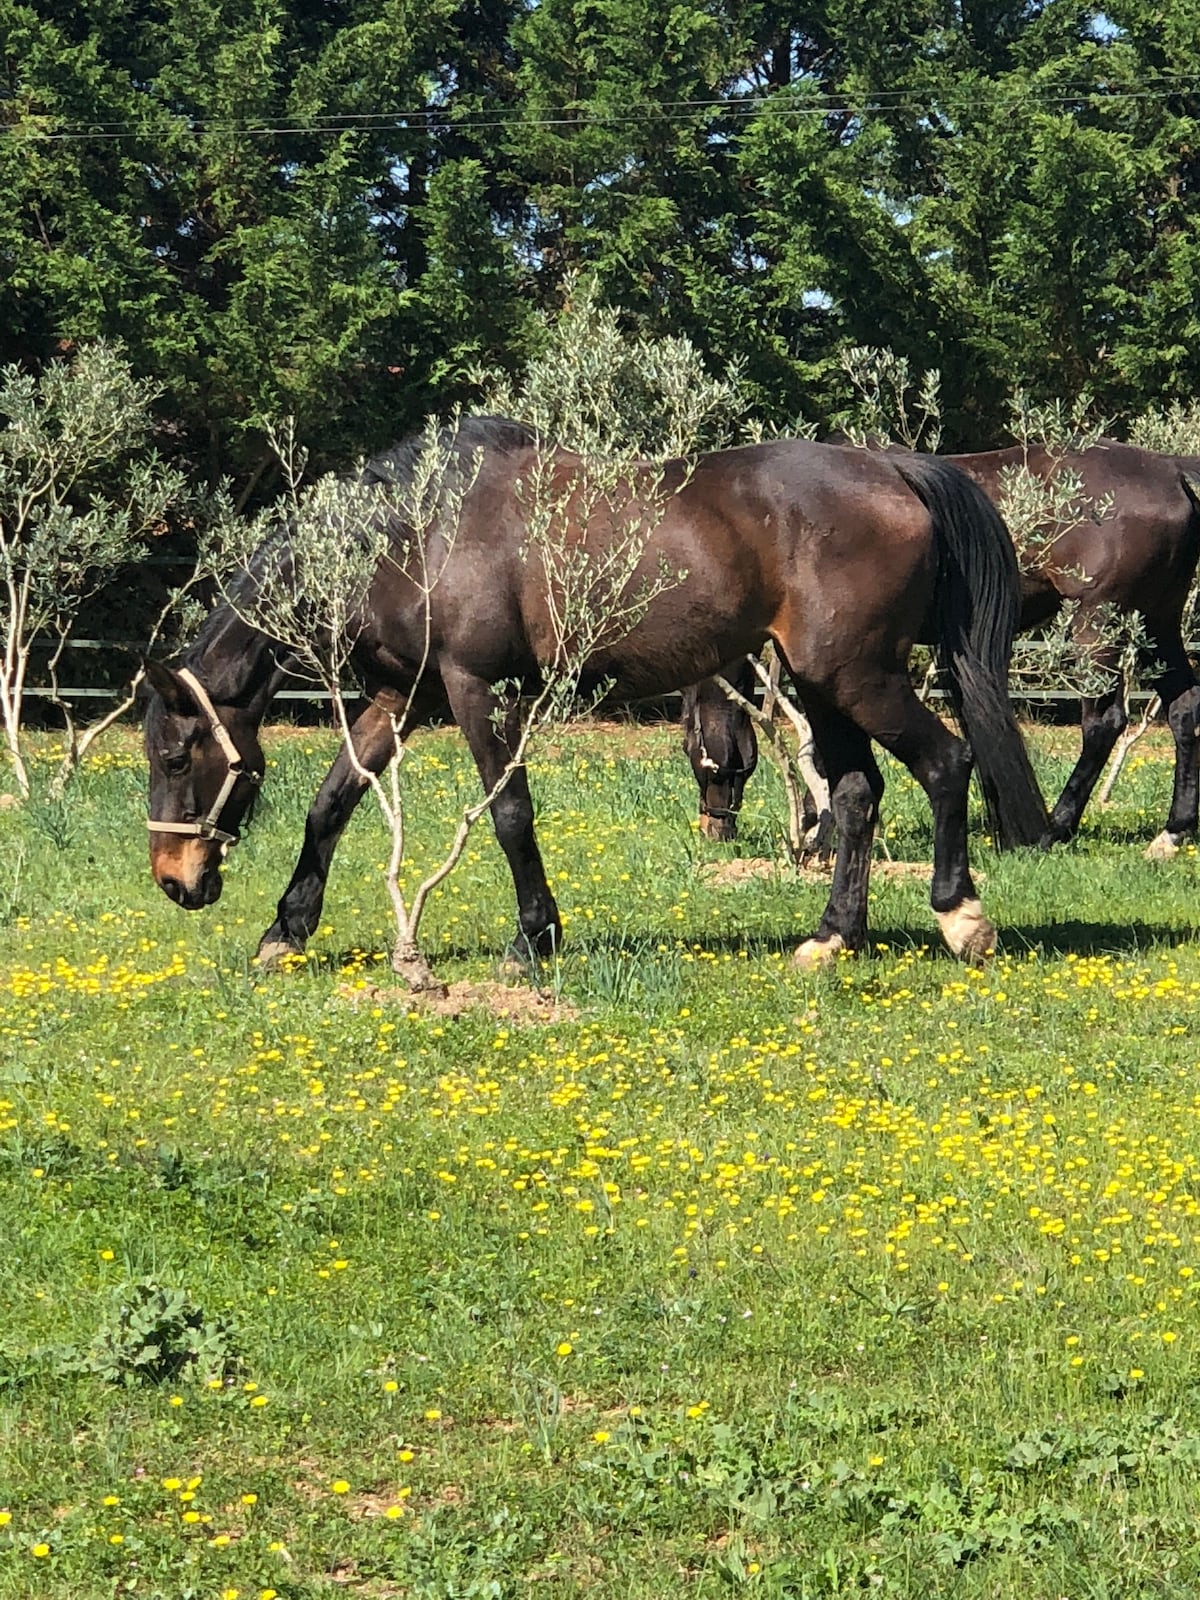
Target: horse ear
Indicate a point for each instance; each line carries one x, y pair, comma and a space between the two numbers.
175, 694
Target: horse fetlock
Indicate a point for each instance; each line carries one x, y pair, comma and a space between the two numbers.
816, 953
1060, 831
967, 932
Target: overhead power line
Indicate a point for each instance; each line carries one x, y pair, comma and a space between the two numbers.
442, 121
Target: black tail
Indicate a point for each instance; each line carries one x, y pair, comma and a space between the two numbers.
977, 602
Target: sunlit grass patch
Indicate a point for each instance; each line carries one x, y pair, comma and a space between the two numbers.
881, 1279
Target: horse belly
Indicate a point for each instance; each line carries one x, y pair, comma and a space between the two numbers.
659, 656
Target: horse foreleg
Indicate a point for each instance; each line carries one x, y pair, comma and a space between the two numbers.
299, 912
490, 725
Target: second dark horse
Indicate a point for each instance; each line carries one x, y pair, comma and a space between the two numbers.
1140, 557
842, 558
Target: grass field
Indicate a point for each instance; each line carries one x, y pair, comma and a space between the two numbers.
718, 1278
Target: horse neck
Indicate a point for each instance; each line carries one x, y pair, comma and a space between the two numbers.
238, 664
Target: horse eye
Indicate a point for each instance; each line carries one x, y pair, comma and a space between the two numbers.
176, 761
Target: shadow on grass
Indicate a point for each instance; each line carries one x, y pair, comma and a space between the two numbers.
1096, 938
1049, 940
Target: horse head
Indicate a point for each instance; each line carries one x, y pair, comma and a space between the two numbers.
205, 769
719, 741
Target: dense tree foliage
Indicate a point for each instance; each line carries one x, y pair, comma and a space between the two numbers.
341, 210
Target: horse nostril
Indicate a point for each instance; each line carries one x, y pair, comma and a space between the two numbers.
173, 889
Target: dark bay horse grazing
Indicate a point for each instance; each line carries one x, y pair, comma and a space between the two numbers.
1139, 558
843, 559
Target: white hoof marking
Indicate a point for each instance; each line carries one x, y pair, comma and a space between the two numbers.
967, 931
816, 953
270, 955
1163, 848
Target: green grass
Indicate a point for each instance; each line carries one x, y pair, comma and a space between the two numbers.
727, 1279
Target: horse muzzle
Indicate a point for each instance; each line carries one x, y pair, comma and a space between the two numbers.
719, 806
188, 871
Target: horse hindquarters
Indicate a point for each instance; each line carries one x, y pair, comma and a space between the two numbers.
975, 602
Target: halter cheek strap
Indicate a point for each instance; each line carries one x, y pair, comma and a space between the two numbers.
207, 826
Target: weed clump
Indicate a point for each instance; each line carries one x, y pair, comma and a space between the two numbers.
157, 1335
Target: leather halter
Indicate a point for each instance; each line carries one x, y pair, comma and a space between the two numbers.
207, 826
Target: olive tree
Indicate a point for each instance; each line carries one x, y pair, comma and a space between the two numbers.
80, 495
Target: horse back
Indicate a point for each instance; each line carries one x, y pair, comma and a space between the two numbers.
1137, 536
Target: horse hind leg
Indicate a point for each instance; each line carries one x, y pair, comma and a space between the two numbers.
1102, 720
885, 707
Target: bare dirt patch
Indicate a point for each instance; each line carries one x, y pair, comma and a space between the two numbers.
505, 1002
730, 873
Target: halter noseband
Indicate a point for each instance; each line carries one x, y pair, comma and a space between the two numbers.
206, 827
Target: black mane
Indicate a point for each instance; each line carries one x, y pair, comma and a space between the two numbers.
470, 433
227, 648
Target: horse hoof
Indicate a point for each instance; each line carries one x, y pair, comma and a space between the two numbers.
968, 932
722, 830
1163, 848
814, 954
274, 952
526, 953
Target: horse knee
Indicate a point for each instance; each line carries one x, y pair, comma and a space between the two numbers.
512, 815
855, 800
1183, 715
1108, 724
